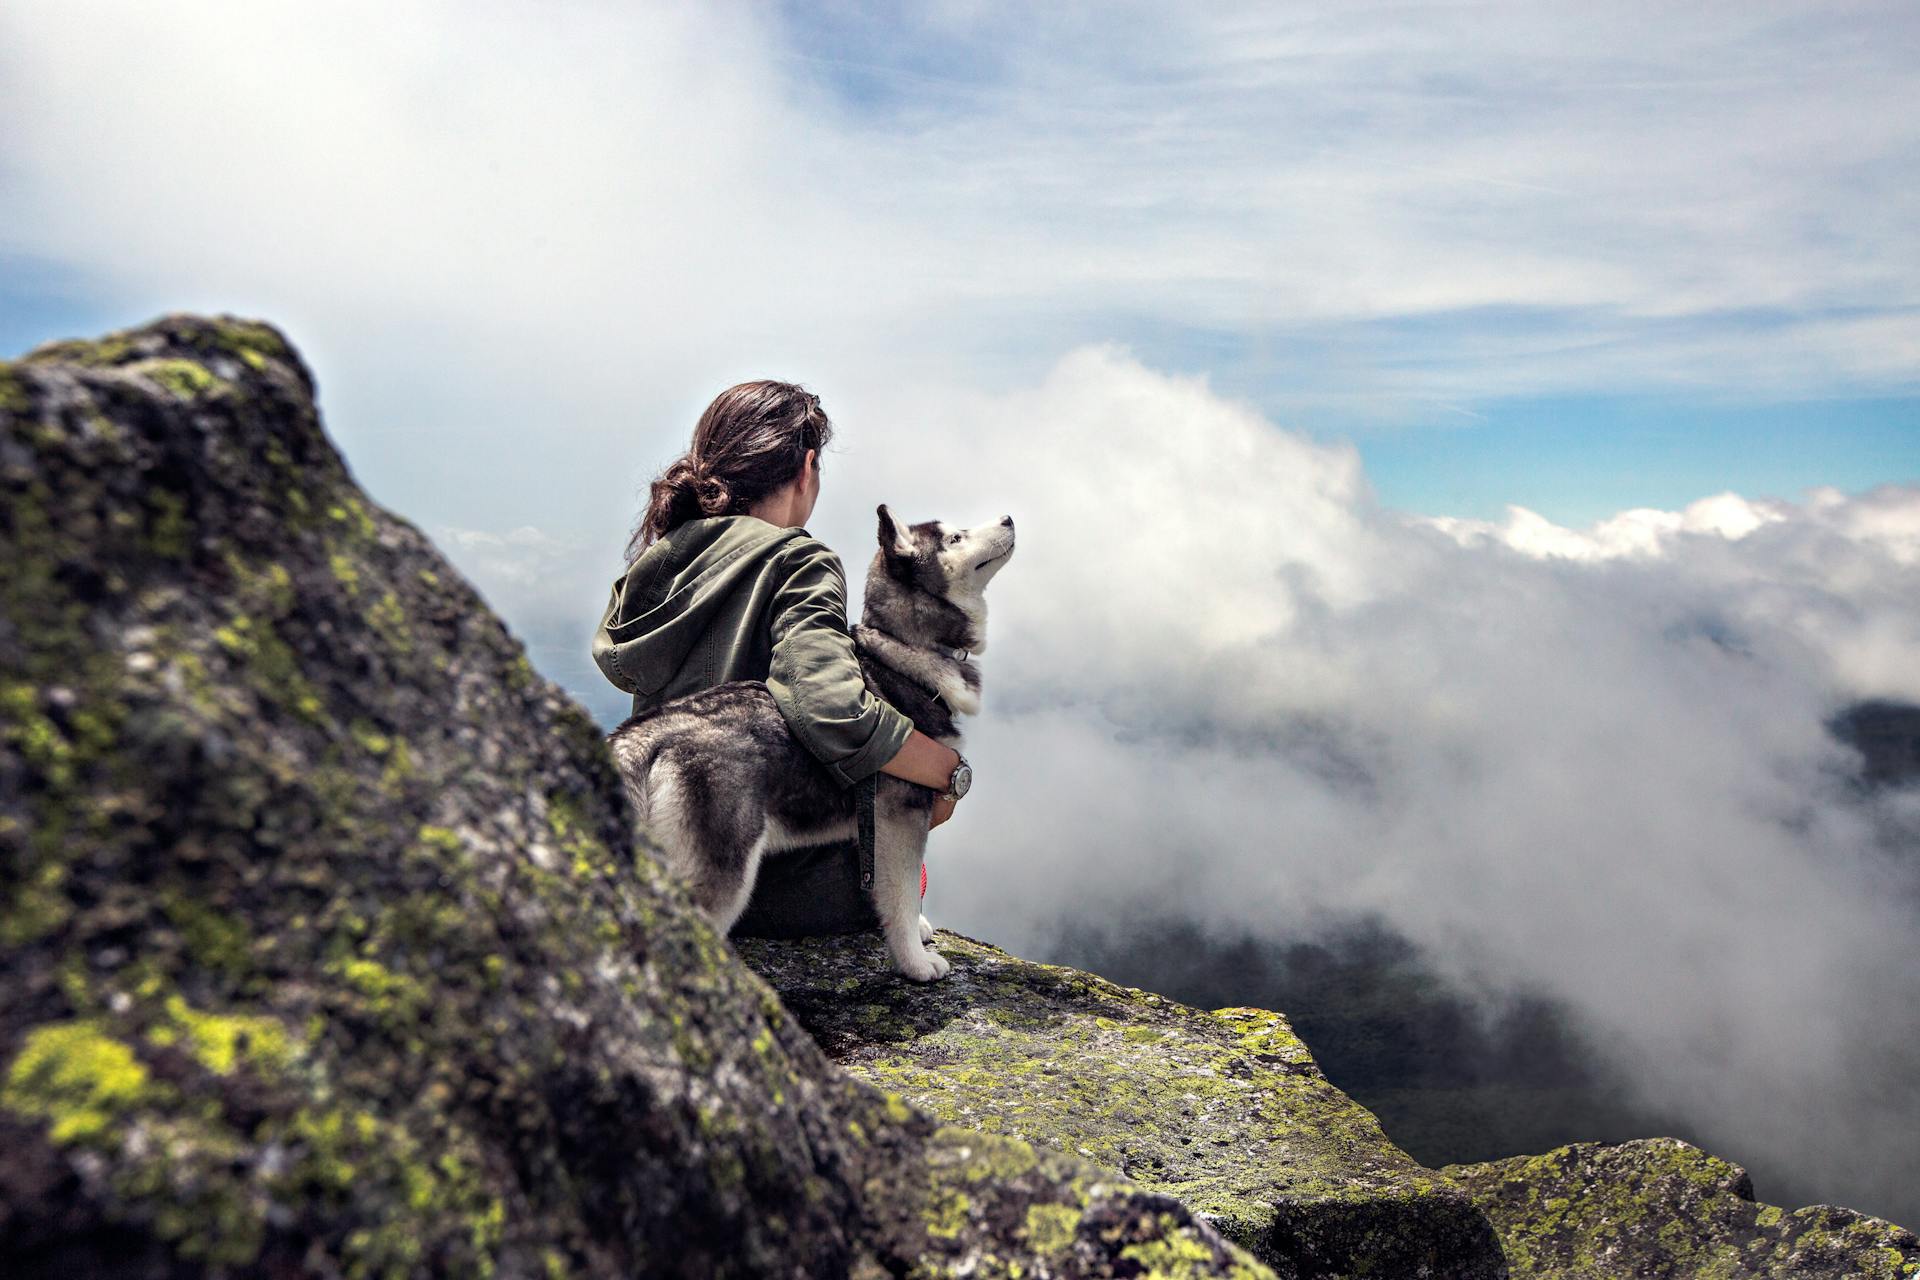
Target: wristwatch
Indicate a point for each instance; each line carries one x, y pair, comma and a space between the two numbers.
961, 780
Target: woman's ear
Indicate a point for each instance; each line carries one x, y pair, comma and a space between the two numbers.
895, 540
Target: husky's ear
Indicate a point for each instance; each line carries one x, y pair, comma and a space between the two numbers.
895, 539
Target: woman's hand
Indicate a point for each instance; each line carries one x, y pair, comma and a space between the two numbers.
922, 760
942, 810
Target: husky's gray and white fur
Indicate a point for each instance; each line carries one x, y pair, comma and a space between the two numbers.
720, 782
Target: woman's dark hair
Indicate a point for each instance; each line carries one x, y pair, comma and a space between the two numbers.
751, 441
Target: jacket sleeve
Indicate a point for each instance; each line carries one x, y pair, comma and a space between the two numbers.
606, 653
815, 678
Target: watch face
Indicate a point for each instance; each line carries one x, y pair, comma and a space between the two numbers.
962, 779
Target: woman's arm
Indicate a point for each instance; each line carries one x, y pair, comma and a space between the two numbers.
815, 676
925, 761
817, 685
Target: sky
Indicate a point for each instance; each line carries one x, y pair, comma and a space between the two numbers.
1463, 453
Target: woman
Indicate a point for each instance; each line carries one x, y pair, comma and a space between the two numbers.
724, 583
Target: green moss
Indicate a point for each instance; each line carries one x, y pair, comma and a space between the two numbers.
1178, 1254
370, 739
352, 514
1659, 1206
947, 1212
62, 743
265, 589
345, 572
441, 840
186, 379
393, 995
586, 854
75, 1075
246, 338
112, 349
1051, 1228
1262, 1031
273, 669
167, 529
388, 618
13, 393
40, 742
399, 767
988, 1155
335, 1141
38, 907
221, 1042
215, 940
428, 1191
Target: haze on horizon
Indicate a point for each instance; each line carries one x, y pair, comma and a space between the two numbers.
1463, 453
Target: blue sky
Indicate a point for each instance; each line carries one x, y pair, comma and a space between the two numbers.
1574, 263
1575, 458
1579, 455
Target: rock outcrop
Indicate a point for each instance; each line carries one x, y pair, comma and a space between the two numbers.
1662, 1208
1224, 1110
329, 949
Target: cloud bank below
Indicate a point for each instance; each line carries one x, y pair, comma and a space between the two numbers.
1225, 684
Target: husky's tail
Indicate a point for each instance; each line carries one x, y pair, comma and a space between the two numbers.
636, 752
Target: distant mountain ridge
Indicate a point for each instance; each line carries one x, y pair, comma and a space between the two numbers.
1449, 1085
1887, 736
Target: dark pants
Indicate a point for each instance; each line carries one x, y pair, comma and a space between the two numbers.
804, 892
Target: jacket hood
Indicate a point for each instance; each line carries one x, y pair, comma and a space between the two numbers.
662, 605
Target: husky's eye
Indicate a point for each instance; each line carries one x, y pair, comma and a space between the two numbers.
953, 538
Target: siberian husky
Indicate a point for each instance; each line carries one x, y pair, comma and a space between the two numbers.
719, 781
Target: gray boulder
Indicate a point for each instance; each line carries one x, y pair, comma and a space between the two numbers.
329, 949
1224, 1110
1659, 1207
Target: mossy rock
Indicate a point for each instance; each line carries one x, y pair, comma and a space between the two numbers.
1225, 1111
329, 946
1659, 1207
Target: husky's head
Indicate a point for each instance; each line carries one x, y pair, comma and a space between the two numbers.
923, 566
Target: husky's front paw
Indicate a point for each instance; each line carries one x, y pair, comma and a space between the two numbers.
928, 966
926, 931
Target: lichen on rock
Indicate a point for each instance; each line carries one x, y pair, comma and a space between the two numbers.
330, 946
1226, 1111
1660, 1207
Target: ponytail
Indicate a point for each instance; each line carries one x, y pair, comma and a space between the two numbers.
751, 441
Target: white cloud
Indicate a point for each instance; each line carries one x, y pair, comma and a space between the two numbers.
1641, 532
1223, 682
616, 191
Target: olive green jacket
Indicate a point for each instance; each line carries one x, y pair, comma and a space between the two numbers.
736, 598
